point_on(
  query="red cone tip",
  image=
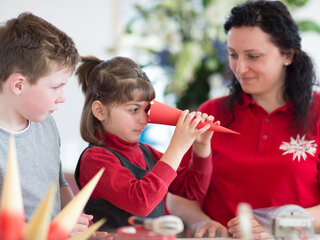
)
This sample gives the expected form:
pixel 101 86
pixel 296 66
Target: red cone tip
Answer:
pixel 161 113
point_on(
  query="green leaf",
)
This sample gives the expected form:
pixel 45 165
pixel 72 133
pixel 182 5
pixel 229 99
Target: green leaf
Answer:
pixel 296 3
pixel 308 25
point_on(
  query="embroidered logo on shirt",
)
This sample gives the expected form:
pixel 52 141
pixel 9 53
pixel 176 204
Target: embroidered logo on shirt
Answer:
pixel 299 147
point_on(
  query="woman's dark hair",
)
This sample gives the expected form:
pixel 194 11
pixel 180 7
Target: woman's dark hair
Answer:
pixel 273 18
pixel 112 82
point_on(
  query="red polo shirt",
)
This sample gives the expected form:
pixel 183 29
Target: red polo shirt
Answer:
pixel 268 164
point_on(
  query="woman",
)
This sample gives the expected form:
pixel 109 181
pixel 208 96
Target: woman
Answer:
pixel 275 160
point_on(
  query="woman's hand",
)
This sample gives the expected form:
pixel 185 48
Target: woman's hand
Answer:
pixel 257 230
pixel 208 228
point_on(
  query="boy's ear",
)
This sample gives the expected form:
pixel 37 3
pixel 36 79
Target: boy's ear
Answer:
pixel 98 110
pixel 16 83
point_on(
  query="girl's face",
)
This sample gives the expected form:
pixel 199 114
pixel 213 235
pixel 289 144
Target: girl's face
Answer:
pixel 256 62
pixel 127 121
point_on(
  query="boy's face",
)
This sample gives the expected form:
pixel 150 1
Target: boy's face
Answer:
pixel 42 98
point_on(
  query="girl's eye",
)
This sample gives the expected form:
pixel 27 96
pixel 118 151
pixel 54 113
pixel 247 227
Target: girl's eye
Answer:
pixel 133 109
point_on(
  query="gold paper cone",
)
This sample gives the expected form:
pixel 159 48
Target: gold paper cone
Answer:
pixel 64 222
pixel 11 198
pixel 38 226
pixel 12 212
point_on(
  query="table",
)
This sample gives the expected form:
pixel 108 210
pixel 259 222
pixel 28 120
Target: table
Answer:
pixel 316 237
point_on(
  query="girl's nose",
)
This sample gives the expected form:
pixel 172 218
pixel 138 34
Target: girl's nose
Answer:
pixel 144 118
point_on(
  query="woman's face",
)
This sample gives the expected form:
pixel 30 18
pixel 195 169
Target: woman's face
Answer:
pixel 256 62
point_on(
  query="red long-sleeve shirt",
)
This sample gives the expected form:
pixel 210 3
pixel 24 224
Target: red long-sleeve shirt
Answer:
pixel 268 164
pixel 139 197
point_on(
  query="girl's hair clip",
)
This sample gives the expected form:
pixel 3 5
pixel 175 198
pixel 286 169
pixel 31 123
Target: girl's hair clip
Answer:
pixel 141 74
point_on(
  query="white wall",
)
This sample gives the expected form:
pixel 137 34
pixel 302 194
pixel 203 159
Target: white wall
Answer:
pixel 92 25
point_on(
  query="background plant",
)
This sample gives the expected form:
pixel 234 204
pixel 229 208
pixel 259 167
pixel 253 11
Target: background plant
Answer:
pixel 186 39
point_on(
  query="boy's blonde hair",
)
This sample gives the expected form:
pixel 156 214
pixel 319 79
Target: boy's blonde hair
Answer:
pixel 113 82
pixel 30 45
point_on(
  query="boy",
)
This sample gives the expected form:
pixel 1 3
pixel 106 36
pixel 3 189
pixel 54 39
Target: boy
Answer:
pixel 36 61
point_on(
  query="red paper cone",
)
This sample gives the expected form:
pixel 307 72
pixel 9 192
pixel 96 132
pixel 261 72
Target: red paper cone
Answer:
pixel 63 223
pixel 11 225
pixel 12 221
pixel 161 113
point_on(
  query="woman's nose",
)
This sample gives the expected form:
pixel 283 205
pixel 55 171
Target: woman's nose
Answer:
pixel 241 67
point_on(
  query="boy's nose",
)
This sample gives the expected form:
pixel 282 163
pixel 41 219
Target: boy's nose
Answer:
pixel 61 98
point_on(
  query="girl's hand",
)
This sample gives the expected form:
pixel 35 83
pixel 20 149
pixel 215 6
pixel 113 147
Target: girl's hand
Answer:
pixel 186 131
pixel 205 138
pixel 202 144
pixel 183 137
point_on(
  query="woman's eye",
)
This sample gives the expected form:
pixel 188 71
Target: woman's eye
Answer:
pixel 232 55
pixel 254 56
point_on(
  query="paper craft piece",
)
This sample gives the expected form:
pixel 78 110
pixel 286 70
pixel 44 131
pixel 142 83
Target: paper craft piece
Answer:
pixel 244 213
pixel 161 113
pixel 38 226
pixel 63 223
pixel 12 220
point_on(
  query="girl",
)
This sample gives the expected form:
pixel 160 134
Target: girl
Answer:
pixel 137 177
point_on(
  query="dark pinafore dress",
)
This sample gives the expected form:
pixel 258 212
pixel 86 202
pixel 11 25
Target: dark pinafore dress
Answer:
pixel 101 208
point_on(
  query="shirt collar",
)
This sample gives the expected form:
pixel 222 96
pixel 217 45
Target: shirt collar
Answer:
pixel 247 101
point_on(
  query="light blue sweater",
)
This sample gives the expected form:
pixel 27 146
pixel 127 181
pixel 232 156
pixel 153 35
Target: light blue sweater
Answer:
pixel 38 153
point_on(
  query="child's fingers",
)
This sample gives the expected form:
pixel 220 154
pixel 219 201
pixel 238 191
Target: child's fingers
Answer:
pixel 195 121
pixel 210 118
pixel 190 118
pixel 198 114
pixel 182 117
pixel 203 129
pixel 217 122
pixel 204 117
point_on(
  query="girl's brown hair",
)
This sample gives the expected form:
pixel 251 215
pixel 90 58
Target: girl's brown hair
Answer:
pixel 113 82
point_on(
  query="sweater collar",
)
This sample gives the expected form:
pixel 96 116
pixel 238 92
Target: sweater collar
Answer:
pixel 115 142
